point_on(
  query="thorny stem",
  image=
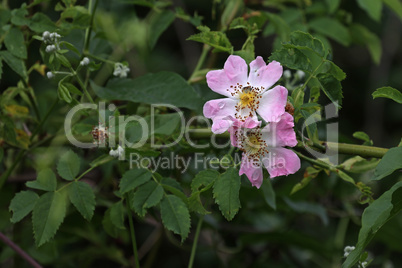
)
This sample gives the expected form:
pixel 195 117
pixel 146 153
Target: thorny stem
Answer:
pixel 132 232
pixel 194 248
pixel 20 252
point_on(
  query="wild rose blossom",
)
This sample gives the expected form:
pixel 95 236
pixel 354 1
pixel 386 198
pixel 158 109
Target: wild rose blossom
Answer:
pixel 265 147
pixel 248 93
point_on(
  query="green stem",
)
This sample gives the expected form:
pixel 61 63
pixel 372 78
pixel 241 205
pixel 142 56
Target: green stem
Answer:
pixel 313 74
pixel 342 148
pixel 38 128
pixel 84 88
pixel 204 53
pixel 89 29
pixel 194 248
pixel 99 58
pixel 132 232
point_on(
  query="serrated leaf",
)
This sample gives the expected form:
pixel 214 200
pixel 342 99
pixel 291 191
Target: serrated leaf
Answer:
pixel 372 7
pixel 268 193
pixel 83 198
pixel 302 40
pixel 226 193
pixel 292 58
pixel 331 87
pixel 68 165
pixel 389 163
pixel 45 181
pixel 15 43
pixel 134 178
pixel 22 204
pixel 374 217
pixel 388 92
pixel 195 204
pixel 48 214
pixel 147 196
pixel 175 216
pixel 117 212
pixel 204 178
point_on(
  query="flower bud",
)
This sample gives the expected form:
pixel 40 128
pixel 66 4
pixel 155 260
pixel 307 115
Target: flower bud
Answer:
pixel 287 74
pixel 50 75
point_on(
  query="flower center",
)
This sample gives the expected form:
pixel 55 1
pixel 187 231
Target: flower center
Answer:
pixel 251 143
pixel 249 100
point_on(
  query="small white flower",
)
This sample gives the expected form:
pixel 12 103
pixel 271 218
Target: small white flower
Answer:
pixel 84 62
pixel 45 35
pixel 120 70
pixel 347 250
pixel 119 152
pixel 287 74
pixel 50 48
pixel 49 75
pixel 363 264
pixel 300 74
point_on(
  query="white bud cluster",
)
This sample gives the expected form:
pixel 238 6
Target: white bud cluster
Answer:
pixel 84 62
pixel 120 70
pixel 51 40
pixel 119 152
pixel 347 250
pixel 300 74
pixel 287 74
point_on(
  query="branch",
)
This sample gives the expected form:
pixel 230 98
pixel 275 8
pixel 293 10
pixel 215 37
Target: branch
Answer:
pixel 20 252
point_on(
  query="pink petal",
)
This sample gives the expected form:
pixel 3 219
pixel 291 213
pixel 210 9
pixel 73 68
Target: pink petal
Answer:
pixel 220 107
pixel 220 125
pixel 235 71
pixel 272 104
pixel 262 75
pixel 281 133
pixel 281 161
pixel 252 169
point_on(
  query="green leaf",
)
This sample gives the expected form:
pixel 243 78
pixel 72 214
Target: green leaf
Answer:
pixel 63 60
pixel 22 204
pixel 345 177
pixel 109 227
pixel 39 23
pixel 48 214
pixel 162 87
pixel 374 217
pixel 117 215
pixel 332 5
pixel 18 15
pixel 45 181
pixel 204 178
pixel 72 89
pixel 148 195
pixel 15 43
pixel 395 5
pixel 268 193
pixel 68 165
pixel 306 207
pixel 64 93
pixel 361 136
pixel 134 178
pixel 282 29
pixel 215 39
pixel 336 71
pixel 309 174
pixel 175 215
pixel 158 24
pixel 226 193
pixel 389 163
pixel 1 67
pixel 332 29
pixel 16 64
pixel 363 36
pixel 292 58
pixel 302 40
pixel 83 198
pixel 372 7
pixel 331 87
pixel 388 92
pixel 195 204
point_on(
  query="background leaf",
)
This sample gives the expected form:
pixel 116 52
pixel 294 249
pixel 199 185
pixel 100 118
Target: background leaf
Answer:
pixel 15 43
pixel 372 7
pixel 388 92
pixel 389 163
pixel 332 28
pixel 158 24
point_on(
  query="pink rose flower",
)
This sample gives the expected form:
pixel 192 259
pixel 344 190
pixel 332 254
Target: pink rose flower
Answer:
pixel 265 147
pixel 247 93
